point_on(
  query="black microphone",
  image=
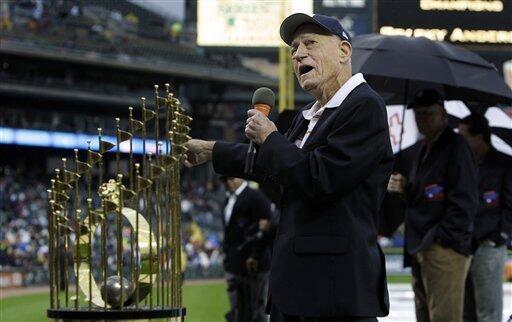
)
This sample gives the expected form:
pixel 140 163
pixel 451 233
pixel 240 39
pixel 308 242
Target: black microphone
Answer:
pixel 263 100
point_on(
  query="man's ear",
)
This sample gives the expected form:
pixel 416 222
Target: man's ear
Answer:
pixel 345 51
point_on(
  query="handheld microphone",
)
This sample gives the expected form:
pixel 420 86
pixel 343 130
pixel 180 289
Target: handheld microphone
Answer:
pixel 263 100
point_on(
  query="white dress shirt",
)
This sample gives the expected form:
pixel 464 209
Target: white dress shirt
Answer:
pixel 231 201
pixel 313 114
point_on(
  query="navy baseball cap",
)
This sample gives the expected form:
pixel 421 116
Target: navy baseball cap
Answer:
pixel 426 97
pixel 329 24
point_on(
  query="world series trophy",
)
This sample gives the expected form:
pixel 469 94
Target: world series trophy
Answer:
pixel 123 238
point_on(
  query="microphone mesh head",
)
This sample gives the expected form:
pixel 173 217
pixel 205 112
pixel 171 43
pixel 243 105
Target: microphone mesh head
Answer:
pixel 264 95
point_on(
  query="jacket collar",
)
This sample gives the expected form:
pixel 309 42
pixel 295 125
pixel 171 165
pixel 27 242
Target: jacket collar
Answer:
pixel 338 97
pixel 238 190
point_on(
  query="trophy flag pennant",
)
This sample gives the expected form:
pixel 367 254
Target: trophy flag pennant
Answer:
pixel 148 114
pixel 136 125
pixel 70 177
pixel 124 136
pixel 62 186
pixel 105 146
pixel 82 167
pixel 93 157
pixel 128 194
pixel 156 170
pixel 143 183
pixel 182 118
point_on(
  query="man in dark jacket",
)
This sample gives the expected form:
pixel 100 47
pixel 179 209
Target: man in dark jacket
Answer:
pixel 484 287
pixel 440 206
pixel 332 168
pixel 247 260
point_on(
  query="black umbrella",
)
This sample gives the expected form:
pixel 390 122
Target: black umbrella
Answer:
pixel 398 66
pixel 461 74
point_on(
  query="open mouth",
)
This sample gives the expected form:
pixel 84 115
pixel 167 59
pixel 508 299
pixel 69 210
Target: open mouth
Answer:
pixel 304 69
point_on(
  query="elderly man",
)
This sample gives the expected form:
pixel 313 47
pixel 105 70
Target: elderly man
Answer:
pixel 332 167
pixel 440 205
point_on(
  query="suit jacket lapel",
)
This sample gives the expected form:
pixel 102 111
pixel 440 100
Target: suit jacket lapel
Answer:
pixel 235 213
pixel 299 125
pixel 321 122
pixel 299 128
pixel 412 181
pixel 421 167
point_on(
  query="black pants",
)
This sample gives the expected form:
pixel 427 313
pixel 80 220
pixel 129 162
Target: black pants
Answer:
pixel 277 316
pixel 247 296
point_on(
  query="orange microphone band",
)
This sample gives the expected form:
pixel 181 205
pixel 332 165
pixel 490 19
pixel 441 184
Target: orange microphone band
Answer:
pixel 263 108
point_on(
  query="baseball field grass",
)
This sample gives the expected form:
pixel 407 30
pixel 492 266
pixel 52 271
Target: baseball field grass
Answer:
pixel 205 302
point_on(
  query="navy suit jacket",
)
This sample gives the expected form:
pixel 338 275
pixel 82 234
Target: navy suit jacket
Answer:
pixel 442 196
pixel 494 216
pixel 326 260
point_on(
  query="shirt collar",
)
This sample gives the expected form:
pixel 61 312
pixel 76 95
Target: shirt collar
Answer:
pixel 337 98
pixel 239 190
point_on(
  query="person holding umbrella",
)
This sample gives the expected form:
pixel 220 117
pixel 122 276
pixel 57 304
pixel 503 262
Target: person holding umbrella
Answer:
pixel 493 223
pixel 440 204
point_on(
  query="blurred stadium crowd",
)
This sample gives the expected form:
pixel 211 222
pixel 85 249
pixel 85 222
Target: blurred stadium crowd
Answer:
pixel 119 30
pixel 24 224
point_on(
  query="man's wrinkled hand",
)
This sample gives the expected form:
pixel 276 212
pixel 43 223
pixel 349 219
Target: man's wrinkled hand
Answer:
pixel 258 127
pixel 396 183
pixel 252 265
pixel 198 152
pixel 264 225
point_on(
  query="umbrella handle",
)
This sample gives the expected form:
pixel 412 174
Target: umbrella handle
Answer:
pixel 406 92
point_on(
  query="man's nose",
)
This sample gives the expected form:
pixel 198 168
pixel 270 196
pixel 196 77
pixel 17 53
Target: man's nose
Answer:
pixel 300 53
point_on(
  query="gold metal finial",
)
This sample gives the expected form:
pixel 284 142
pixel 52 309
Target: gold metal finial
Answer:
pixel 130 111
pixel 156 89
pixel 99 131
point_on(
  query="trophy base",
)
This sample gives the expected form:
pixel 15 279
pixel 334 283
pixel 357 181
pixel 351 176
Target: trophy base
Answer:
pixel 126 314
